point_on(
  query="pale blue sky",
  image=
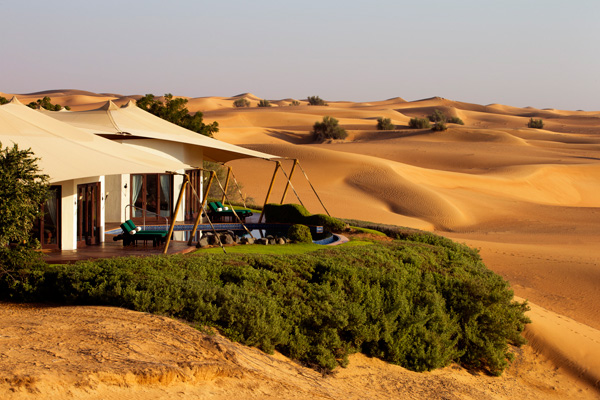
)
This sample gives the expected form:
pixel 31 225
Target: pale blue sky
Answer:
pixel 536 53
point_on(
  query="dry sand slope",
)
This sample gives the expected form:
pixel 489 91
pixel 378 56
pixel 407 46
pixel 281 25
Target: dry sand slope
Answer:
pixel 528 199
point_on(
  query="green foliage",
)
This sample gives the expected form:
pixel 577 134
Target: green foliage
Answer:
pixel 419 123
pixel 385 124
pixel 23 189
pixel 299 233
pixel 295 103
pixel 419 304
pixel 535 123
pixel 296 214
pixel 316 101
pixel 234 189
pixel 175 111
pixel 439 126
pixel 455 120
pixel 264 103
pixel 241 102
pixel 3 100
pixel 46 104
pixel 329 129
pixel 437 116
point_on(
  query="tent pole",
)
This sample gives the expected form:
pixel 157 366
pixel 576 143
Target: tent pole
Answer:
pixel 287 185
pixel 204 200
pixel 186 180
pixel 277 165
pixel 226 182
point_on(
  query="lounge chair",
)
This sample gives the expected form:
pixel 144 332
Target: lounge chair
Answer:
pixel 132 234
pixel 242 212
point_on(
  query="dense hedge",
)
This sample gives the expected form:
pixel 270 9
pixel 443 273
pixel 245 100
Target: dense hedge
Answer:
pixel 296 214
pixel 420 305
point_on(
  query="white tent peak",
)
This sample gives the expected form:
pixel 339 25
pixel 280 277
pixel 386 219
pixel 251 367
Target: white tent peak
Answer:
pixel 109 106
pixel 130 103
pixel 14 100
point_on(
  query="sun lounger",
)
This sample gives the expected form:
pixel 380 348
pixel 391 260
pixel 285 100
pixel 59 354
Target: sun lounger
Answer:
pixel 133 234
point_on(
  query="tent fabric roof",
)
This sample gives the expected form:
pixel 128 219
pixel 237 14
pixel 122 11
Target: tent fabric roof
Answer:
pixel 131 121
pixel 66 152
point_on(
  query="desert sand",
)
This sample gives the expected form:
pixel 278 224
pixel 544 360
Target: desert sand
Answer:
pixel 526 198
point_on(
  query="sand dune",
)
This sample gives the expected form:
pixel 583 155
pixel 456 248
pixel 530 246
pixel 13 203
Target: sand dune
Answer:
pixel 527 198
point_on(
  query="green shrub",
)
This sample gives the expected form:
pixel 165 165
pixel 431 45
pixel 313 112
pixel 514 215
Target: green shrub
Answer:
pixel 264 103
pixel 385 124
pixel 420 304
pixel 455 120
pixel 439 126
pixel 299 233
pixel 295 103
pixel 419 123
pixel 296 214
pixel 3 100
pixel 241 102
pixel 316 101
pixel 46 104
pixel 329 129
pixel 535 123
pixel 437 116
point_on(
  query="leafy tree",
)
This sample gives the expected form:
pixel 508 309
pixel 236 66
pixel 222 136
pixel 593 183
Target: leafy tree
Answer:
pixel 295 103
pixel 329 129
pixel 385 124
pixel 419 123
pixel 3 100
pixel 23 189
pixel 535 123
pixel 264 103
pixel 455 120
pixel 175 111
pixel 316 101
pixel 242 102
pixel 437 116
pixel 46 103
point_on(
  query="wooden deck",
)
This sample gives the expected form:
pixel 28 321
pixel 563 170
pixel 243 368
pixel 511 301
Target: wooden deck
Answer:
pixel 111 249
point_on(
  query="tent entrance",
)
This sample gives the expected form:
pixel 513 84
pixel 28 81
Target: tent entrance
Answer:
pixel 88 214
pixel 47 228
pixel 151 197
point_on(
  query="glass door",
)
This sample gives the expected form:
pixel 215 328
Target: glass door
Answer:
pixel 88 214
pixel 47 228
pixel 151 197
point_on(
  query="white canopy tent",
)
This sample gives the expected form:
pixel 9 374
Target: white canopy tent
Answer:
pixel 68 153
pixel 130 122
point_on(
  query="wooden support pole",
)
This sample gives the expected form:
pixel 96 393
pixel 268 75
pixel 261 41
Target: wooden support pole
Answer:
pixel 204 200
pixel 287 185
pixel 186 180
pixel 262 213
pixel 226 182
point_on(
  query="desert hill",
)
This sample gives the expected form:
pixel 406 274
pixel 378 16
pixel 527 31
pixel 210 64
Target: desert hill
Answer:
pixel 527 198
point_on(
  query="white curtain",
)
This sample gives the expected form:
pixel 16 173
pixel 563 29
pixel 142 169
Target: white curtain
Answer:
pixel 136 188
pixel 165 188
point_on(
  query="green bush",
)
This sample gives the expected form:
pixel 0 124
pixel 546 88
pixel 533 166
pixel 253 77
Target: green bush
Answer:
pixel 295 103
pixel 44 103
pixel 437 116
pixel 535 123
pixel 329 129
pixel 419 123
pixel 241 102
pixel 385 124
pixel 420 304
pixel 316 101
pixel 296 214
pixel 299 233
pixel 439 126
pixel 3 100
pixel 455 120
pixel 264 103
